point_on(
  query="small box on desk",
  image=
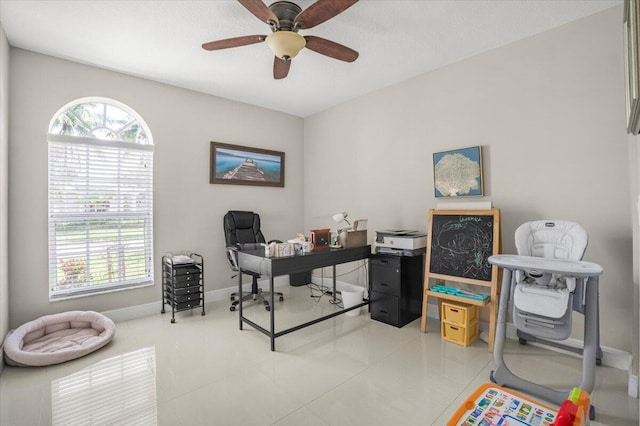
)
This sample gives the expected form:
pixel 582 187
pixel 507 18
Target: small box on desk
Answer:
pixel 352 238
pixel 284 249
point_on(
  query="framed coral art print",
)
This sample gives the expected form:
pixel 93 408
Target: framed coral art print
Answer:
pixel 458 173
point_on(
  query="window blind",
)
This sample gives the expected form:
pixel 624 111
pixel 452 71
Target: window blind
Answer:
pixel 100 215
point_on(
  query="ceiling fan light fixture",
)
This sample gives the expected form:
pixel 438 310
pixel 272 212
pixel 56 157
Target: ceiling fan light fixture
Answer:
pixel 285 44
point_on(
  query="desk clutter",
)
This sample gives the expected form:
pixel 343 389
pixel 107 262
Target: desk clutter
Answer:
pixel 319 240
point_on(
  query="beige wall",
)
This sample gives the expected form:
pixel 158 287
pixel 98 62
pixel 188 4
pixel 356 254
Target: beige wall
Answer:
pixel 188 210
pixel 4 185
pixel 547 110
pixel 549 114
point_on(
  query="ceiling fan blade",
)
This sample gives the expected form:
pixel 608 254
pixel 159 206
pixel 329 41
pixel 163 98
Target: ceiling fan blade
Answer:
pixel 280 68
pixel 233 42
pixel 321 11
pixel 260 10
pixel 331 49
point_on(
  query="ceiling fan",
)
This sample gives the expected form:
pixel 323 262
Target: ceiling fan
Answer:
pixel 285 19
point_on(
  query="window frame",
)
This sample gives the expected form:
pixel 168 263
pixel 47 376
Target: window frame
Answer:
pixel 117 219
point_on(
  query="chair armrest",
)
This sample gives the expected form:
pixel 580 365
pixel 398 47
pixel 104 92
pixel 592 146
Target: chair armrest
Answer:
pixel 274 241
pixel 232 257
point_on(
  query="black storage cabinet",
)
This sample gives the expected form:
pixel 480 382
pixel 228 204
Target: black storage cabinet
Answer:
pixel 396 288
pixel 182 284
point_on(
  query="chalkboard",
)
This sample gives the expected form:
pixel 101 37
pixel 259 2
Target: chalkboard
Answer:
pixel 460 242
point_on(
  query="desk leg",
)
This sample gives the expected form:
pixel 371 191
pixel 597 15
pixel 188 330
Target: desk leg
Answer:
pixel 272 316
pixel 240 295
pixel 334 285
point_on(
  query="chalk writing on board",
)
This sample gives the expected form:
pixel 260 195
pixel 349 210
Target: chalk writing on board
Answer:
pixel 461 245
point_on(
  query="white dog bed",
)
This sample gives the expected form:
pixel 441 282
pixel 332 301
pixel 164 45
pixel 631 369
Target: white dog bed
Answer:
pixel 57 338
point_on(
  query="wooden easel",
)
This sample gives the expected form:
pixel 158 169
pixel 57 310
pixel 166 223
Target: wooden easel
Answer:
pixel 458 246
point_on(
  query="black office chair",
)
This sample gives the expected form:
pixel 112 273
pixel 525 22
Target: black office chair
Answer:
pixel 242 230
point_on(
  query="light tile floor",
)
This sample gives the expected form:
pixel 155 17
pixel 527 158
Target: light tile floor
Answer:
pixel 203 370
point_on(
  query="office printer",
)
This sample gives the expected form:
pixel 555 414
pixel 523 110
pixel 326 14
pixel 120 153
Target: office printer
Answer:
pixel 400 242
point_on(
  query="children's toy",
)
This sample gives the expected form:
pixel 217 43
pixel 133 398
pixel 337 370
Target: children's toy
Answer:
pixel 493 405
pixel 575 410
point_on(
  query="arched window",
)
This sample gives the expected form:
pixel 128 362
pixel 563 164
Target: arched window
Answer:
pixel 100 199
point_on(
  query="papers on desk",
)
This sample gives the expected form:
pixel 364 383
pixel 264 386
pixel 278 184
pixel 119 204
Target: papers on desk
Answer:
pixel 299 239
pixel 181 259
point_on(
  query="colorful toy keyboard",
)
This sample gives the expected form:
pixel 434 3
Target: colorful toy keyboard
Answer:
pixel 493 405
pixel 460 293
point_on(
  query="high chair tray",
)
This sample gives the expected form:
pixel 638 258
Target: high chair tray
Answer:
pixel 574 268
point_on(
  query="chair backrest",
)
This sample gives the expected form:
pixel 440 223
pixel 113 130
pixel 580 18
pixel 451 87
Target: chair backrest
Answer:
pixel 552 239
pixel 242 227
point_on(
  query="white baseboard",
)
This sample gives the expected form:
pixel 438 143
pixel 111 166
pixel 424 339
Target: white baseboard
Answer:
pixel 138 311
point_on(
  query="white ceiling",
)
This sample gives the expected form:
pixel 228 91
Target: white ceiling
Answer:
pixel 161 41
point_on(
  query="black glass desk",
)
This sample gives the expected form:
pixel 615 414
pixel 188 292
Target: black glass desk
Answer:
pixel 255 261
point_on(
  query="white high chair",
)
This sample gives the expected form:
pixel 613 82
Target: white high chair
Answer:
pixel 549 282
pixel 543 304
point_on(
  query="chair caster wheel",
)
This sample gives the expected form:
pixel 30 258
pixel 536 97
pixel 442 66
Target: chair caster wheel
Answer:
pixel 232 308
pixel 162 311
pixel 522 341
pixel 282 298
pixel 202 314
pixel 491 377
pixel 592 413
pixel 267 308
pixel 598 361
pixel 173 320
